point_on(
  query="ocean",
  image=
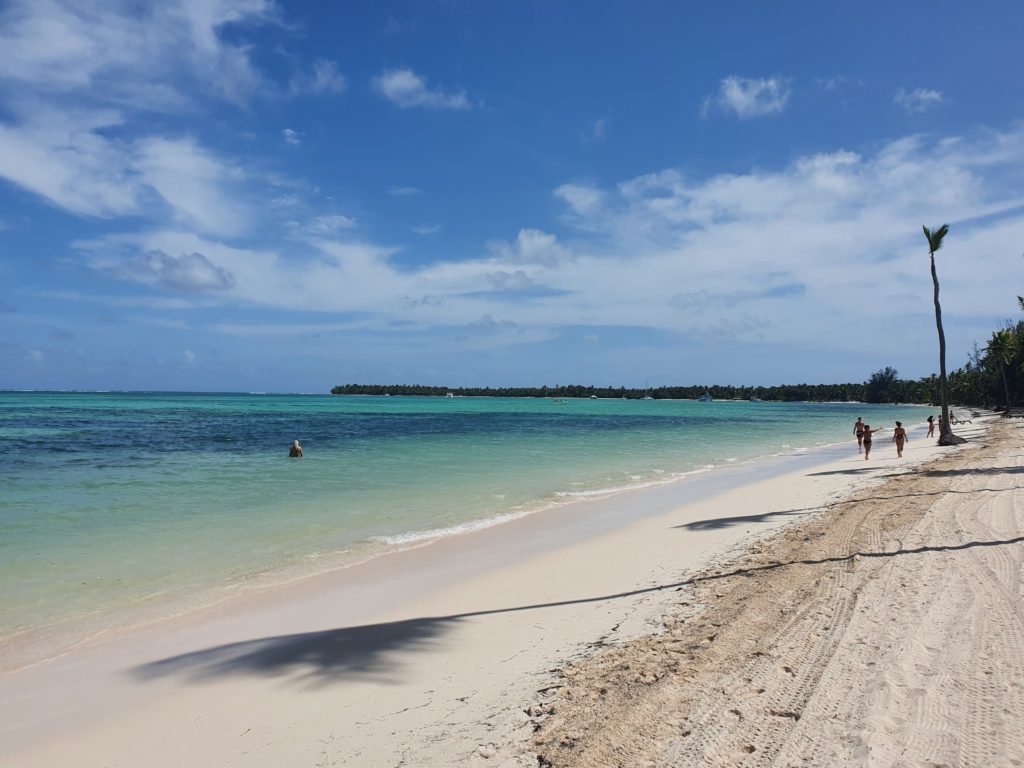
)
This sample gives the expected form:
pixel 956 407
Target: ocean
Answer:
pixel 116 508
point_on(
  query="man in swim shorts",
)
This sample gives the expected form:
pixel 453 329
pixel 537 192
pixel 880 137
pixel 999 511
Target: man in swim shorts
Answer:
pixel 858 430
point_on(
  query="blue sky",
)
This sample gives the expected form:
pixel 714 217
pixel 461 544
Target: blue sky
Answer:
pixel 260 196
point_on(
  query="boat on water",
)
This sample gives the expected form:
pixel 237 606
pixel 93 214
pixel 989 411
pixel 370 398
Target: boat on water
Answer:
pixel 755 399
pixel 705 398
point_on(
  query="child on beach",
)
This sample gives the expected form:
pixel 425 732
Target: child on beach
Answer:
pixel 899 436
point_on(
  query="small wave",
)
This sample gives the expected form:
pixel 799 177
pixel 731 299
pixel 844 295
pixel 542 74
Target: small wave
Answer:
pixel 416 537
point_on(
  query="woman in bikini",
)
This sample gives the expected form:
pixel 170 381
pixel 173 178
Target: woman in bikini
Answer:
pixel 868 432
pixel 931 426
pixel 899 436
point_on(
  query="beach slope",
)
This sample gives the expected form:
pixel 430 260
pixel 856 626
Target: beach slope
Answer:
pixel 888 632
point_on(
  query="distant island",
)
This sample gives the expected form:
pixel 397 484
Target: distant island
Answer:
pixel 883 387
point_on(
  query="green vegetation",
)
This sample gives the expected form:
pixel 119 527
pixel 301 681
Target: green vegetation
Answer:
pixel 993 376
pixel 789 392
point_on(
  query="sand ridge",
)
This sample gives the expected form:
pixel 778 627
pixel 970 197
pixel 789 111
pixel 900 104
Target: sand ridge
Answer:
pixel 888 632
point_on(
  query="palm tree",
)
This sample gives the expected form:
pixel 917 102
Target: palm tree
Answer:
pixel 946 436
pixel 1003 347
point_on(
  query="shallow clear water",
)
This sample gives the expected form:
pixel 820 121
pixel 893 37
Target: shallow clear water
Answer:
pixel 122 501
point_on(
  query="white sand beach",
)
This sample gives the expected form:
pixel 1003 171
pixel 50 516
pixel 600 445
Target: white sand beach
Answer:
pixel 749 616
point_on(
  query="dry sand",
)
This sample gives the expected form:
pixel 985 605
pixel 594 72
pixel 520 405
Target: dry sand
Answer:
pixel 889 632
pixel 654 628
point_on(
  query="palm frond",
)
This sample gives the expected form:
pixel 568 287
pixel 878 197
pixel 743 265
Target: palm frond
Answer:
pixel 935 237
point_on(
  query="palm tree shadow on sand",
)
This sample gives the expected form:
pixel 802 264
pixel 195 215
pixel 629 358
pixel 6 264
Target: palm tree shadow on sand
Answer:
pixel 362 652
pixel 369 652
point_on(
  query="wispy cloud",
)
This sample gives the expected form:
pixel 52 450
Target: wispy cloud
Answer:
pixel 291 136
pixel 918 100
pixel 322 226
pixel 749 97
pixel 403 191
pixel 69 159
pixel 144 56
pixel 406 89
pixel 427 229
pixel 596 132
pixel 324 78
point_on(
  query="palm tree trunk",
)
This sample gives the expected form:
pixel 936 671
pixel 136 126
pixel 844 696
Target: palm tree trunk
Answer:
pixel 1006 387
pixel 946 436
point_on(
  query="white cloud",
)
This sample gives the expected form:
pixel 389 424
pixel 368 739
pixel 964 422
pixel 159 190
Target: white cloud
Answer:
pixel 917 100
pixel 531 246
pixel 187 272
pixel 65 158
pixel 70 159
pixel 291 137
pixel 193 182
pixel 403 191
pixel 582 199
pixel 797 254
pixel 188 357
pixel 128 54
pixel 407 89
pixel 750 97
pixel 427 229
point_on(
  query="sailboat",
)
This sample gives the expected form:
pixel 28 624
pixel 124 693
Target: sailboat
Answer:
pixel 705 398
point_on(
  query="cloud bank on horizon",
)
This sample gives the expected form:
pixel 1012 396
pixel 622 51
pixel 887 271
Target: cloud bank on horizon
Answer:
pixel 249 195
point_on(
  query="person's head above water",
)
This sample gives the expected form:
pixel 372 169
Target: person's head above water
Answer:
pixel 295 443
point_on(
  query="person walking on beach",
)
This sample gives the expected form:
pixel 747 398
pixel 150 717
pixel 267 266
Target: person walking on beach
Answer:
pixel 866 442
pixel 899 436
pixel 295 451
pixel 858 430
pixel 931 426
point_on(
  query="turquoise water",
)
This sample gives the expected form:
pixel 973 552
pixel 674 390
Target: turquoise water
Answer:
pixel 113 503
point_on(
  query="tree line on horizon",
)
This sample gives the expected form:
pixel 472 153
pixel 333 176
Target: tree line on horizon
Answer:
pixel 785 393
pixel 992 377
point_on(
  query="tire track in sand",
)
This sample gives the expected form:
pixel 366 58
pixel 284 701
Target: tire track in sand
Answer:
pixel 913 659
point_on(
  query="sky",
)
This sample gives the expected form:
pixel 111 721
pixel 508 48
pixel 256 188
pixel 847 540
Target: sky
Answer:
pixel 247 195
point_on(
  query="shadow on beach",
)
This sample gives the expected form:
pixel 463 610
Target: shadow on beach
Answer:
pixel 365 652
pixel 715 523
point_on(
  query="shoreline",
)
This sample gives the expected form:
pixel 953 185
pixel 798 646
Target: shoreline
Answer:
pixel 46 642
pixel 534 592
